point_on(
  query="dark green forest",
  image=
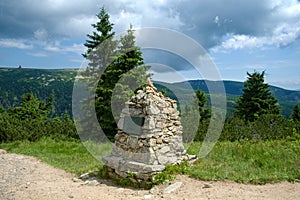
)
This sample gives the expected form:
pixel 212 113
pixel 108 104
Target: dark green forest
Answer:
pixel 59 82
pixel 42 83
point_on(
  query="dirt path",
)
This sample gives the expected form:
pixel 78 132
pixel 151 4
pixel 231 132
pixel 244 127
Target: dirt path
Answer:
pixel 23 177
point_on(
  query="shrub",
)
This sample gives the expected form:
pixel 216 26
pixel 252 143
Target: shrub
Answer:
pixel 14 129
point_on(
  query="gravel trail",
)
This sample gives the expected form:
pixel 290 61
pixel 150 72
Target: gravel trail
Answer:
pixel 24 177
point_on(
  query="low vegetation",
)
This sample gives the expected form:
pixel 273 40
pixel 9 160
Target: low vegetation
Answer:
pixel 255 161
pixel 71 156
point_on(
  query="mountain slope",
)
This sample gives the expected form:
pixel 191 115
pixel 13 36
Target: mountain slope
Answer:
pixel 286 98
pixel 43 82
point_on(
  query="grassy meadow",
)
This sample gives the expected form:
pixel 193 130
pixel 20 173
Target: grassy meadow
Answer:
pixel 256 162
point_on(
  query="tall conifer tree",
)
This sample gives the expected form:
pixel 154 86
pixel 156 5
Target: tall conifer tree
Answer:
pixel 113 59
pixel 257 99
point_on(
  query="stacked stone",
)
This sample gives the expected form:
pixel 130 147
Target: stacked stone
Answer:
pixel 146 148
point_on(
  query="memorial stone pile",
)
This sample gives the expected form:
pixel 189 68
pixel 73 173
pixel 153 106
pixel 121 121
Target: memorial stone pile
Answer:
pixel 149 137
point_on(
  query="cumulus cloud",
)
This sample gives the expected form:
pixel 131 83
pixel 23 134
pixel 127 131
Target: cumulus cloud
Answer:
pixel 38 54
pixel 13 43
pixel 75 48
pixel 27 17
pixel 214 24
pixel 281 36
pixel 280 28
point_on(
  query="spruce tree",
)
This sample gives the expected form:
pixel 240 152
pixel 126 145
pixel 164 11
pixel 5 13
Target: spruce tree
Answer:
pixel 132 72
pixel 129 57
pixel 32 108
pixel 103 32
pixel 101 51
pixel 201 102
pixel 113 59
pixel 296 113
pixel 257 99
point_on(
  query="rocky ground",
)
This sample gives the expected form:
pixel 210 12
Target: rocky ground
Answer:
pixel 23 177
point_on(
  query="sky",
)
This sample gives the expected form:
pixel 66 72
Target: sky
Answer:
pixel 239 36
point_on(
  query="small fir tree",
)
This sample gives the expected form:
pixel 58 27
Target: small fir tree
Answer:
pixel 32 108
pixel 296 113
pixel 201 101
pixel 257 99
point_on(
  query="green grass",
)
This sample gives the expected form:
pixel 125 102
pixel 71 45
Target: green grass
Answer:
pixel 256 162
pixel 71 156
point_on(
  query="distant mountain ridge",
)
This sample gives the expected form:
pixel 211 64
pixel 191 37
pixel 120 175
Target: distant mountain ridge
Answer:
pixel 43 82
pixel 286 98
pixel 236 88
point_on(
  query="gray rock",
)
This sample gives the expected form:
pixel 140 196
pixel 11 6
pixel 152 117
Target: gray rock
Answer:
pixel 159 141
pixel 91 182
pixel 154 190
pixel 131 166
pixel 2 151
pixel 76 180
pixel 207 185
pixel 140 95
pixel 192 157
pixel 112 161
pixel 172 188
pixel 132 141
pixel 121 123
pixel 152 109
pixel 164 150
pixel 153 168
pixel 84 176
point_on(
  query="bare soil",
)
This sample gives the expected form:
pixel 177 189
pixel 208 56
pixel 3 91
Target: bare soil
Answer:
pixel 23 177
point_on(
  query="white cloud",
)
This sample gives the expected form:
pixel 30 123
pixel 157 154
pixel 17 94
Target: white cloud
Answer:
pixel 41 34
pixel 207 21
pixel 76 26
pixel 280 28
pixel 75 48
pixel 285 34
pixel 14 43
pixel 217 20
pixel 38 54
pixel 159 13
pixel 282 35
pixel 239 42
pixel 291 85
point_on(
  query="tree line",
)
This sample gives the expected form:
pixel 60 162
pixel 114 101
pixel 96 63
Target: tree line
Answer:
pixel 32 121
pixel 256 116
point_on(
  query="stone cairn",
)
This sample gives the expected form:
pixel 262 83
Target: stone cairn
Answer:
pixel 149 137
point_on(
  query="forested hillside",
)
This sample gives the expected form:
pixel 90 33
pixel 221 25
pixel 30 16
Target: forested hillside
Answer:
pixel 41 82
pixel 44 82
pixel 286 98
